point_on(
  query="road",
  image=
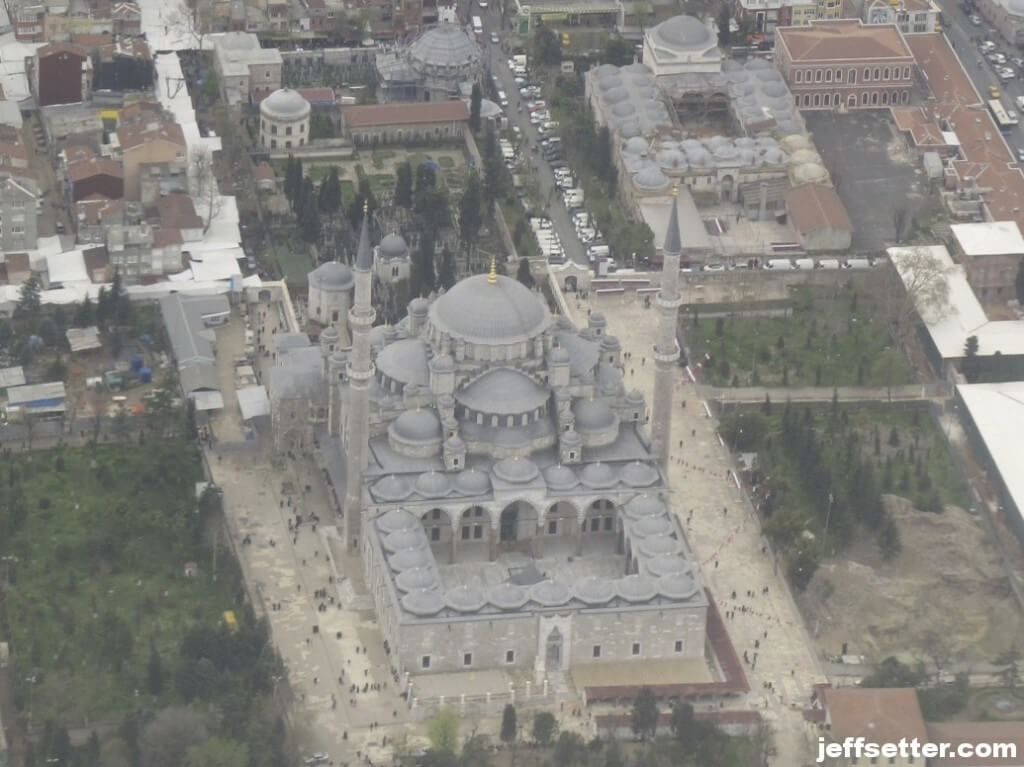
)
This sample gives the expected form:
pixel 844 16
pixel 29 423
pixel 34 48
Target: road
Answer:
pixel 496 60
pixel 964 37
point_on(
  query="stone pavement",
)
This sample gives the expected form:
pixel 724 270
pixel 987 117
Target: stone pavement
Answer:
pixel 725 536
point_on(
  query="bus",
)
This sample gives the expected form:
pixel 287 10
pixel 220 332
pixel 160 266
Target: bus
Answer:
pixel 478 26
pixel 1000 115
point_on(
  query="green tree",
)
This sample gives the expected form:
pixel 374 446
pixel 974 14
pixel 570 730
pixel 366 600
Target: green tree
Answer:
pixel 403 185
pixel 524 275
pixel 154 671
pixel 59 746
pixel 211 86
pixel 544 727
pixel 443 731
pixel 645 713
pixel 446 276
pixel 92 750
pixel 568 748
pixel 508 723
pixel 422 279
pixel 724 33
pixel 547 48
pixel 116 640
pixel 682 723
pixel 309 217
pixel 494 169
pixel 475 98
pixel 85 316
pixel 803 563
pixel 470 218
pixel 603 161
pixel 970 365
pixel 217 752
pixel 426 180
pixel 889 544
pixel 1010 660
pixel 618 52
pixel 892 673
pixel 28 299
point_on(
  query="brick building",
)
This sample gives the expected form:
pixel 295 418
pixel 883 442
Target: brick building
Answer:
pixel 62 74
pixel 420 122
pixel 831 63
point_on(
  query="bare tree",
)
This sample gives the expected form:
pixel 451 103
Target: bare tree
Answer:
pixel 938 648
pixel 192 22
pixel 203 185
pixel 920 288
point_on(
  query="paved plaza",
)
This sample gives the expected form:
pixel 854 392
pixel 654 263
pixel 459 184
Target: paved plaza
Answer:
pixel 725 537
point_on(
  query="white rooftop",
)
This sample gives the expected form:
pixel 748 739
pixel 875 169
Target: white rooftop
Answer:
pixel 965 316
pixel 997 410
pixel 253 402
pixel 991 238
pixel 66 267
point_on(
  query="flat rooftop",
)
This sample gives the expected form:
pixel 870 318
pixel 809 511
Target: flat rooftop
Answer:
pixel 990 238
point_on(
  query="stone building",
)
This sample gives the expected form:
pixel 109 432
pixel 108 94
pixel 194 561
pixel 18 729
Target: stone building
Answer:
pixel 425 122
pixel 845 63
pixel 497 477
pixel 913 17
pixel 330 293
pixel 244 66
pixel 1007 16
pixel 284 120
pixel 682 44
pixel 433 68
pixel 991 253
pixel 392 262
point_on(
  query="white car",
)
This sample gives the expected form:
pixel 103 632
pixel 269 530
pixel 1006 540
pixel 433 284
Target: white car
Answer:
pixel 986 46
pixel 1006 74
pixel 1020 155
pixel 494 37
pixel 714 268
pixel 997 58
pixel 975 19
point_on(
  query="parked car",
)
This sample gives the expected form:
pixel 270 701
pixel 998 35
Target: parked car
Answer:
pixel 713 268
pixel 1006 74
pixel 1020 155
pixel 975 19
pixel 986 46
pixel 494 37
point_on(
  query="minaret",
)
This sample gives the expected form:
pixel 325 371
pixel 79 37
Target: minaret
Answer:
pixel 666 348
pixel 360 371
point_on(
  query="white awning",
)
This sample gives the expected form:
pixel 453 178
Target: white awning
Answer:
pixel 208 400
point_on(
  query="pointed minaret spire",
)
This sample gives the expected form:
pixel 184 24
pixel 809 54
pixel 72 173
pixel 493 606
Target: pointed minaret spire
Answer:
pixel 666 348
pixel 364 255
pixel 492 276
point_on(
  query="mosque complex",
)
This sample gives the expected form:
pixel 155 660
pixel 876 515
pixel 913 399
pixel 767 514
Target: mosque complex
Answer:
pixel 505 492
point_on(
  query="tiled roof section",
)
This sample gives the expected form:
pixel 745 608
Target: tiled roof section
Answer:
pixel 815 206
pixel 166 236
pixel 177 212
pixel 78 152
pixel 96 258
pixel 92 41
pixel 399 114
pixel 94 166
pixel 18 262
pixel 95 210
pixel 923 130
pixel 317 95
pixel 13 150
pixel 846 39
pixel 140 110
pixel 976 733
pixel 264 172
pixel 880 715
pixel 10 134
pixel 132 47
pixel 987 158
pixel 132 136
pixel 52 48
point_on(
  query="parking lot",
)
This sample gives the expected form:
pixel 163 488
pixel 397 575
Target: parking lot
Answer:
pixel 875 178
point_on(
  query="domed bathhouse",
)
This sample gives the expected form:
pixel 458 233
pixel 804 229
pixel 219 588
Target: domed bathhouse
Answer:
pixel 505 490
pixel 434 67
pixel 284 120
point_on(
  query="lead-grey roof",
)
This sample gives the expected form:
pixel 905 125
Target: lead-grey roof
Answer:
pixel 516 470
pixel 560 477
pixel 672 245
pixel 433 484
pixel 667 564
pixel 598 476
pixel 364 255
pixel 396 519
pixel 594 590
pixel 405 361
pixel 683 31
pixel 472 482
pixel 417 578
pixel 332 276
pixel 477 311
pixel 503 391
pixel 636 588
pixel 443 46
pixel 637 474
pixel 392 488
pixel 465 598
pixel 285 103
pixel 393 246
pixel 592 416
pixel 191 339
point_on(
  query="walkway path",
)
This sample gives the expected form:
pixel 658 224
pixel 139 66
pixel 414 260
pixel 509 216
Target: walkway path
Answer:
pixel 905 393
pixel 725 535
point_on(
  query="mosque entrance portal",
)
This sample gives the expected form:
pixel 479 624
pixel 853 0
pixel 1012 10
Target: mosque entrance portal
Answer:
pixel 553 657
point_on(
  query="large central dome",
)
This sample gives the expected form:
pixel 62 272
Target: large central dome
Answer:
pixel 477 311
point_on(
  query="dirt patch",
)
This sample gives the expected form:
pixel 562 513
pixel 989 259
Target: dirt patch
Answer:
pixel 947 582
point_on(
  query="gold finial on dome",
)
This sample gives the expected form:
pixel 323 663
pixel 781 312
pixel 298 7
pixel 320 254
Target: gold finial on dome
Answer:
pixel 492 277
pixel 675 190
pixel 366 206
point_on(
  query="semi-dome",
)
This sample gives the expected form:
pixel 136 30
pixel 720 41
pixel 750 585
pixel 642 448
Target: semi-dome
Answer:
pixel 404 539
pixel 503 391
pixel 560 477
pixel 597 476
pixel 423 602
pixel 638 474
pixel 651 179
pixel 678 586
pixel 592 416
pixel 444 46
pixel 392 488
pixel 516 470
pixel 404 361
pixel 443 363
pixel 472 482
pixel 475 310
pixel 333 276
pixel 658 545
pixel 636 588
pixel 417 578
pixel 396 519
pixel 550 593
pixel 667 564
pixel 650 526
pixel 636 145
pixel 594 590
pixel 508 596
pixel 419 307
pixel 409 559
pixel 615 95
pixel 393 246
pixel 683 32
pixel 285 104
pixel 465 598
pixel 644 506
pixel 433 484
pixel 558 356
pixel 417 426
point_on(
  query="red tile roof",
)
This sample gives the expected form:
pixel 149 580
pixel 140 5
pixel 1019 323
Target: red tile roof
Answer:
pixel 178 212
pixel 880 715
pixel 843 39
pixel 816 206
pixel 94 166
pixel 399 114
pixel 52 48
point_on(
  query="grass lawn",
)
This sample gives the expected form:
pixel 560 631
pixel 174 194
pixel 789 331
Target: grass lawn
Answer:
pixel 446 162
pixel 348 192
pixel 835 336
pixel 295 261
pixel 107 532
pixel 382 182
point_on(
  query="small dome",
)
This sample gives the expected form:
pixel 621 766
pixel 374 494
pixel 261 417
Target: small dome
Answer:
pixel 609 81
pixel 442 363
pixel 593 416
pixel 472 482
pixel 392 488
pixel 651 526
pixel 508 596
pixel 671 159
pixel 396 519
pixel 639 474
pixel 629 129
pixel 423 602
pixel 433 484
pixel 419 307
pixel 683 32
pixel 594 591
pixel 404 360
pixel 667 564
pixel 644 506
pixel 636 588
pixel 285 104
pixel 809 172
pixel 571 437
pixel 404 539
pixel 329 334
pixel 417 426
pixel 635 145
pixel 550 593
pixel 454 444
pixel 393 246
pixel 417 578
pixel 597 476
pixel 558 356
pixel 409 559
pixel 651 179
pixel 615 95
pixel 516 470
pixel 678 586
pixel 634 397
pixel 465 598
pixel 332 276
pixel 560 477
pixel 657 545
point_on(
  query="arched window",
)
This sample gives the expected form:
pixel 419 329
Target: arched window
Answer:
pixel 799 75
pixel 817 99
pixel 826 100
pixel 828 75
pixel 853 77
pixel 839 75
pixel 874 98
pixel 877 73
pixel 885 73
pixel 867 74
pixel 885 98
pixel 817 75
